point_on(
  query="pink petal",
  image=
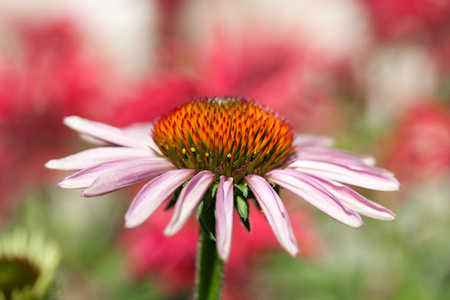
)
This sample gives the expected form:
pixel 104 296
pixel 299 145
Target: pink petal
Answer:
pixel 339 156
pixel 86 177
pixel 128 174
pixel 140 130
pixel 274 211
pixel 224 216
pixel 314 193
pixel 303 140
pixel 94 157
pixel 153 194
pixel 98 142
pixel 143 132
pixel 106 133
pixel 359 175
pixel 355 202
pixel 190 196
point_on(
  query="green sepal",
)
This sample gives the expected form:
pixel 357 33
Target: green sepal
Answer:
pixel 206 215
pixel 199 209
pixel 175 198
pixel 243 187
pixel 214 188
pixel 242 208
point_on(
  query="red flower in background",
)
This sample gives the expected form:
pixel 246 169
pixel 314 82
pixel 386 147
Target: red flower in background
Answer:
pixel 423 21
pixel 46 78
pixel 419 147
pixel 172 260
pixel 152 99
pixel 275 70
pixel 420 18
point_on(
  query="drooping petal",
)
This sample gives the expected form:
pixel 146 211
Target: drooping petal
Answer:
pixel 339 156
pixel 190 196
pixel 153 194
pixel 304 140
pixel 86 177
pixel 94 157
pixel 355 202
pixel 105 132
pixel 359 175
pixel 140 130
pixel 95 141
pixel 128 174
pixel 274 211
pixel 314 193
pixel 143 132
pixel 224 216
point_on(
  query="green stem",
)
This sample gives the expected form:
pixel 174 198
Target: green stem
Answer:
pixel 209 274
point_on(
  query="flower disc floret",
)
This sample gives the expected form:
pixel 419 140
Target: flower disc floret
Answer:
pixel 228 136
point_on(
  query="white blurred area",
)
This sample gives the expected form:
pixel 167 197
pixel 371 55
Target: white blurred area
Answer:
pixel 322 25
pixel 121 31
pixel 398 76
pixel 126 31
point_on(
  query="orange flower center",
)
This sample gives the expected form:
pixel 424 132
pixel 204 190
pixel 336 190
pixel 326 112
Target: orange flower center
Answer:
pixel 228 136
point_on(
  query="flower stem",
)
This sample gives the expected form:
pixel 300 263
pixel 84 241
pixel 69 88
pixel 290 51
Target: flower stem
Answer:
pixel 209 274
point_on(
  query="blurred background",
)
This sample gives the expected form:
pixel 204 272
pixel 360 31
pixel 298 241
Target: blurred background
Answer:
pixel 373 74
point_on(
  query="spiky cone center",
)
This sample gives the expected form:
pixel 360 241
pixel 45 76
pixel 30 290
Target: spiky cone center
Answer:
pixel 228 136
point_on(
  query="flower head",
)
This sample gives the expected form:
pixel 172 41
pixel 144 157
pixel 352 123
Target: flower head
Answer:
pixel 213 154
pixel 232 137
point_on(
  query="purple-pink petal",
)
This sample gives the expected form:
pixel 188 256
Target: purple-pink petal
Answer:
pixel 314 193
pixel 274 211
pixel 140 130
pixel 190 196
pixel 305 140
pixel 224 216
pixel 128 174
pixel 355 202
pixel 359 175
pixel 105 132
pixel 86 177
pixel 153 194
pixel 339 156
pixel 95 141
pixel 96 156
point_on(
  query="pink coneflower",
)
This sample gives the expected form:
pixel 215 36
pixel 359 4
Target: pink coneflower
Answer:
pixel 213 154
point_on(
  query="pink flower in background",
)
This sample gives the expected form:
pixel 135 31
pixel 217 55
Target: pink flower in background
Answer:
pixel 234 144
pixel 152 254
pixel 418 149
pixel 48 77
